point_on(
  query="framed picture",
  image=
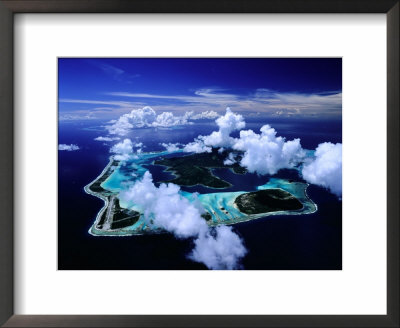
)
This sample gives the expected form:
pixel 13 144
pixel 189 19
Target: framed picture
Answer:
pixel 181 175
pixel 179 164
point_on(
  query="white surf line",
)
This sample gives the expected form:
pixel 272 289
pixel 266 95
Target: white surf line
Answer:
pixel 310 200
pixel 105 199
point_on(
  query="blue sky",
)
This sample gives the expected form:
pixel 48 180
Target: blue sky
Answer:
pixel 106 88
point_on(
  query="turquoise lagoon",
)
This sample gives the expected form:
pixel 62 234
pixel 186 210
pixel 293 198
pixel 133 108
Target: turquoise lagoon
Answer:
pixel 218 203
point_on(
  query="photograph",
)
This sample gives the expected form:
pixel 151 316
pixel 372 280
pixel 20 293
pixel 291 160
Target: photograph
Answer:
pixel 223 163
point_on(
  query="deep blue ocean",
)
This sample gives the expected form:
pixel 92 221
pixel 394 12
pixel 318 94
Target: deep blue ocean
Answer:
pixel 300 242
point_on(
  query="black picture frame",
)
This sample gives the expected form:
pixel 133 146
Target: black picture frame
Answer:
pixel 10 7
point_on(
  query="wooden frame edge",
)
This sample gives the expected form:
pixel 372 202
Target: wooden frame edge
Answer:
pixel 6 165
pixel 393 166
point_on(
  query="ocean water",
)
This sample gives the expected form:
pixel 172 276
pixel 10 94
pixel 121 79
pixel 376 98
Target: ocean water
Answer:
pixel 281 242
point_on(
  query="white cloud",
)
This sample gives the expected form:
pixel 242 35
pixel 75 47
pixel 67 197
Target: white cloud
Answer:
pixel 299 103
pixel 123 147
pixel 230 160
pixel 197 146
pixel 266 101
pixel 201 96
pixel 167 119
pixel 123 150
pixel 171 147
pixel 147 117
pixel 106 138
pixel 95 102
pixel 209 115
pixel 120 126
pixel 217 248
pixel 77 116
pixel 143 117
pixel 265 153
pixel 166 207
pixel 136 118
pixel 221 138
pixel 326 168
pixel 227 124
pixel 70 147
pixel 285 112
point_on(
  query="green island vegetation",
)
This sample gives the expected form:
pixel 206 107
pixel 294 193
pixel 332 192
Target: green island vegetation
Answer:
pixel 268 200
pixel 116 216
pixel 113 216
pixel 206 216
pixel 196 169
pixel 189 170
pixel 102 219
pixel 123 217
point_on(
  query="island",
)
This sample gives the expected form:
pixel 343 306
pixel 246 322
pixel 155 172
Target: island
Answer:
pixel 117 218
pixel 112 215
pixel 268 200
pixel 196 169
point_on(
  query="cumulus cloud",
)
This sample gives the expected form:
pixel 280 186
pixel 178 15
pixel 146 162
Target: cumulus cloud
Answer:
pixel 136 118
pixel 124 149
pixel 165 207
pixel 265 153
pixel 221 138
pixel 230 160
pixel 207 115
pixel 219 249
pixel 167 119
pixel 226 124
pixel 197 146
pixel 70 147
pixel 171 147
pixel 147 117
pixel 326 168
pixel 144 117
pixel 106 138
